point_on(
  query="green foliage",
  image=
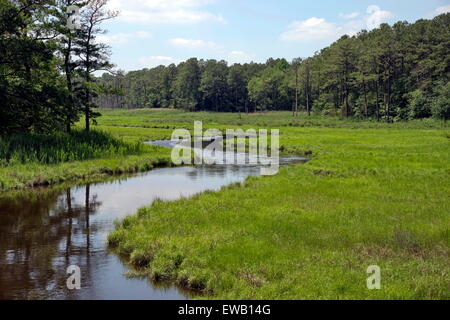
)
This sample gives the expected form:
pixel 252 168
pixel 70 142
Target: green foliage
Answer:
pixel 268 89
pixel 32 95
pixel 441 104
pixel 213 85
pixel 35 46
pixel 187 85
pixel 419 105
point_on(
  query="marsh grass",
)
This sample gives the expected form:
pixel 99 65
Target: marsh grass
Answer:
pixel 169 120
pixel 78 145
pixel 40 160
pixel 369 196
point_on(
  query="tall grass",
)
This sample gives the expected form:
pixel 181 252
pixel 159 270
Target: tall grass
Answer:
pixel 62 147
pixel 174 119
pixel 370 196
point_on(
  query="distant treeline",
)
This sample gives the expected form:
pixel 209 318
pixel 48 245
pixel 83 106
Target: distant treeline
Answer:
pixel 391 73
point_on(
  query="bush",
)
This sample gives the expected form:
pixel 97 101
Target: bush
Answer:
pixel 419 105
pixel 441 104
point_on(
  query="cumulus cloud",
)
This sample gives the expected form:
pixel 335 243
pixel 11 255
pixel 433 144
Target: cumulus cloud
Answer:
pixel 237 56
pixel 154 61
pixel 317 29
pixel 352 15
pixel 194 44
pixel 440 10
pixel 122 38
pixel 310 29
pixel 376 16
pixel 164 11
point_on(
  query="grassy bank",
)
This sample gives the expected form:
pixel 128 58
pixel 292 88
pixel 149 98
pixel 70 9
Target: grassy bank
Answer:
pixel 174 119
pixel 36 160
pixel 373 195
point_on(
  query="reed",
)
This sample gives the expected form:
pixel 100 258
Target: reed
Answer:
pixel 63 147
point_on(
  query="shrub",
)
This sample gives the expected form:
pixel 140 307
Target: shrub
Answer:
pixel 419 105
pixel 441 104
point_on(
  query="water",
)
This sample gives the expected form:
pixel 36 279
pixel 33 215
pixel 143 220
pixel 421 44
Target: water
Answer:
pixel 43 231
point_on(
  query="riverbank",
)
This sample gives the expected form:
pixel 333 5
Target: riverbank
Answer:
pixel 40 160
pixel 374 196
pixel 34 175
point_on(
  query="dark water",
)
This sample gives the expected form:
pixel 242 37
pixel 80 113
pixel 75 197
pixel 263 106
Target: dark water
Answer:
pixel 44 231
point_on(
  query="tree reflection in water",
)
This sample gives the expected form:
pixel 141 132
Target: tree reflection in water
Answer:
pixel 41 233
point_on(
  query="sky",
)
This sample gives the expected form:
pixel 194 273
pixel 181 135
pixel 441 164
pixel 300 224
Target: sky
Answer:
pixel 148 33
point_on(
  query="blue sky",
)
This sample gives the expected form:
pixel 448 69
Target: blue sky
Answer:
pixel 148 33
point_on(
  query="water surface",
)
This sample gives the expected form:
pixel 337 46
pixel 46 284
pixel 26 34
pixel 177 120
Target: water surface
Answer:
pixel 43 231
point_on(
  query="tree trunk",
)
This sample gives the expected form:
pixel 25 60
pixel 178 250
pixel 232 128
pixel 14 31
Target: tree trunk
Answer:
pixel 378 98
pixel 295 111
pixel 307 102
pixel 388 100
pixel 366 106
pixel 87 79
pixel 69 85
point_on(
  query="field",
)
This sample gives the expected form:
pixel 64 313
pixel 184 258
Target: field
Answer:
pixel 372 194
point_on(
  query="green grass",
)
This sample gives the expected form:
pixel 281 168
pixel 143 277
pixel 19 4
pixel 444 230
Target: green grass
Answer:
pixel 373 194
pixel 175 119
pixel 62 147
pixel 35 160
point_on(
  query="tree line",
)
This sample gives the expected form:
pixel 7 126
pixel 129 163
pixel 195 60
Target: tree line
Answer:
pixel 391 73
pixel 48 61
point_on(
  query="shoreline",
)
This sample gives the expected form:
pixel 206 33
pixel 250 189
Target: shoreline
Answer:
pixel 28 176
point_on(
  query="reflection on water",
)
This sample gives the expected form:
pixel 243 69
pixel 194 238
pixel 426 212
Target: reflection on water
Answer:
pixel 42 232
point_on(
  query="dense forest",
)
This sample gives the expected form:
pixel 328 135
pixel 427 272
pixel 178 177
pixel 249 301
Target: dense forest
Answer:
pixel 48 73
pixel 47 63
pixel 392 73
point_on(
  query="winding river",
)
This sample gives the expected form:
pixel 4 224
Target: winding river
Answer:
pixel 43 231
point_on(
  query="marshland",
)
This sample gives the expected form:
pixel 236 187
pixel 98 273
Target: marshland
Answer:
pixel 87 177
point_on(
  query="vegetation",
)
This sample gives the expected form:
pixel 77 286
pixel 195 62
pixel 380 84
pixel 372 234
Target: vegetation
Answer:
pixel 372 194
pixel 46 82
pixel 160 124
pixel 62 147
pixel 34 160
pixel 385 74
pixel 36 44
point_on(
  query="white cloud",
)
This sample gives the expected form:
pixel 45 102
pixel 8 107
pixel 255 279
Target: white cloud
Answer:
pixel 352 15
pixel 164 11
pixel 376 16
pixel 154 61
pixel 440 10
pixel 310 29
pixel 122 38
pixel 194 44
pixel 317 29
pixel 237 56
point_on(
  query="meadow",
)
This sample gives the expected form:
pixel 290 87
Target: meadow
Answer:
pixel 372 194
